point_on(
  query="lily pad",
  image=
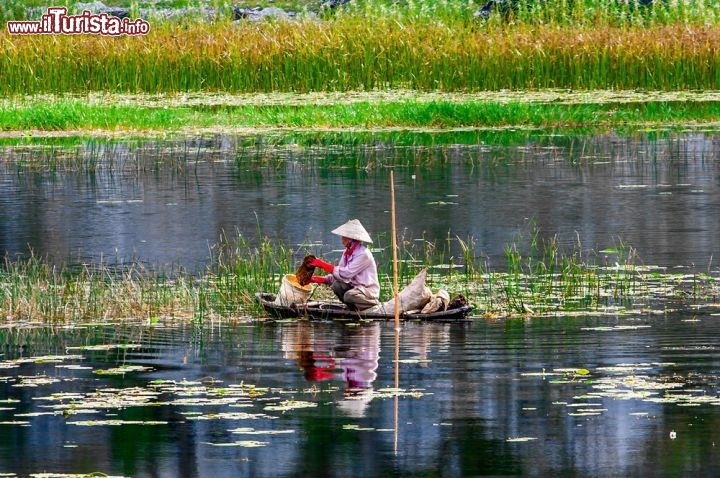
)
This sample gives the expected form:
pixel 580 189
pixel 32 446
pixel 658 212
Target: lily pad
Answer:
pixel 242 443
pixel 231 416
pixel 96 423
pixel 252 431
pixel 290 405
pixel 122 370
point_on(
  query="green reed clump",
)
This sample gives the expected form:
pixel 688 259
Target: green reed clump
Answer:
pixel 241 267
pixel 539 275
pixel 543 276
pixel 33 289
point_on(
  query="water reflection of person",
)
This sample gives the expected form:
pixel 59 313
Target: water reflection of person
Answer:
pixel 350 353
pixel 316 367
pixel 359 365
pixel 299 343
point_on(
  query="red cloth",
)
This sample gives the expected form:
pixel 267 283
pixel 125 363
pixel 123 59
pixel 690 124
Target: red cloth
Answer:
pixel 351 248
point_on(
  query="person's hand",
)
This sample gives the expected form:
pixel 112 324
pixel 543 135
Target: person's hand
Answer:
pixel 322 265
pixel 317 279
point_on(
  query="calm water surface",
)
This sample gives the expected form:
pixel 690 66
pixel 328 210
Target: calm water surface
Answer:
pixel 553 397
pixel 166 203
pixel 581 396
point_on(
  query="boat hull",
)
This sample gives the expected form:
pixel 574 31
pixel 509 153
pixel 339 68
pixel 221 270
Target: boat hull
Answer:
pixel 335 311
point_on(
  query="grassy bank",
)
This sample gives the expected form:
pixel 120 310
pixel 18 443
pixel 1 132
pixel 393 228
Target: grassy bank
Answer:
pixel 101 114
pixel 538 279
pixel 431 46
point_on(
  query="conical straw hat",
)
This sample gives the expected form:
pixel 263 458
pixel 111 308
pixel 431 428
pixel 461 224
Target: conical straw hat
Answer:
pixel 354 230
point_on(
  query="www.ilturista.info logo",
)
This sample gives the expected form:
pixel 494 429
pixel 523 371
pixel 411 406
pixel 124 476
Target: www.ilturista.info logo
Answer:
pixel 57 21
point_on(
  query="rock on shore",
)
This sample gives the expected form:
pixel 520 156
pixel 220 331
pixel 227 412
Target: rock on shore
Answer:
pixel 208 13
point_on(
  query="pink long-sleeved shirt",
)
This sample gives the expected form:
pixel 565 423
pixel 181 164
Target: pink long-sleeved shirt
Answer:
pixel 359 270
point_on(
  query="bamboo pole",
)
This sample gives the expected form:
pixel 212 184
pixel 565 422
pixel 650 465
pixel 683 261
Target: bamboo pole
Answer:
pixel 394 251
pixel 395 278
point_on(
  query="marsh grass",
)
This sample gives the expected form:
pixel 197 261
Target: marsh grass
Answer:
pixel 240 267
pixel 540 278
pixel 33 289
pixel 543 277
pixel 427 46
pixel 78 115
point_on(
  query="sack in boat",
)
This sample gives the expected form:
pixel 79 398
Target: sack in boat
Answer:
pixel 413 297
pixel 305 272
pixel 291 292
pixel 437 302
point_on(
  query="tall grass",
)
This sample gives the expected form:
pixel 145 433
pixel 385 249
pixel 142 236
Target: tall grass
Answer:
pixel 539 278
pixel 425 46
pixel 542 275
pixel 33 289
pixel 241 267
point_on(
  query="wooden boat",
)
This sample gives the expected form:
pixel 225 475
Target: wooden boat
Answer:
pixel 317 310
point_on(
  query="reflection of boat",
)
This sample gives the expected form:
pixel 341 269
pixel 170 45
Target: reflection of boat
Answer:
pixel 335 310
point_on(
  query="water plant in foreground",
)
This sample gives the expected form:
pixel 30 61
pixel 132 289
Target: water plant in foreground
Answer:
pixel 540 278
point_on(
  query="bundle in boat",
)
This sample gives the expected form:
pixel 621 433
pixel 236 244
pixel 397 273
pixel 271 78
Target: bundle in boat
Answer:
pixel 412 298
pixel 305 272
pixel 418 297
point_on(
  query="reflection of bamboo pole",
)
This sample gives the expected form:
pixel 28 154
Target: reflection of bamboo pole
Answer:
pixel 395 443
pixel 394 252
pixel 397 304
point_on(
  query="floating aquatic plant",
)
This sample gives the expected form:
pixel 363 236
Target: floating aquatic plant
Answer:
pixel 114 423
pixel 122 370
pixel 231 416
pixel 628 382
pixel 252 431
pixel 241 443
pixel 520 439
pixel 290 405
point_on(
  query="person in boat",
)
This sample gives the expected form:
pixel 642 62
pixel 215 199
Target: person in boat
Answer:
pixel 354 280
